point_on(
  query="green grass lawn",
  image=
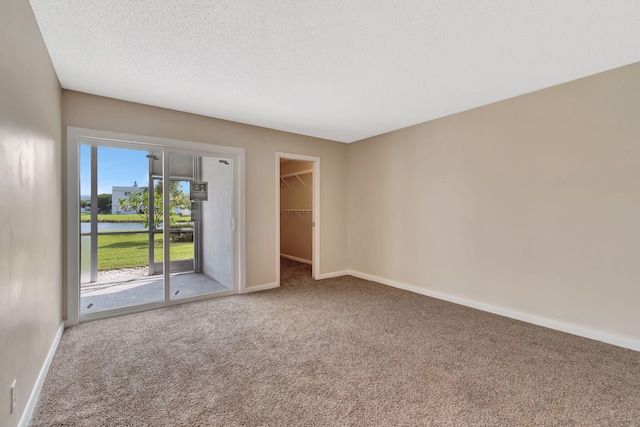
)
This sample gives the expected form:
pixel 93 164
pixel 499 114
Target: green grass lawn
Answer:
pixel 131 250
pixel 85 217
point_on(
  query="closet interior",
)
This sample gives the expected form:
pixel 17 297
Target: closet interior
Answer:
pixel 296 204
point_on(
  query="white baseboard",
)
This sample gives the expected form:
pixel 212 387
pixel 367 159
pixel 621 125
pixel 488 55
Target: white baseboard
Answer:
pixel 35 392
pixel 513 314
pixel 295 258
pixel 257 288
pixel 333 274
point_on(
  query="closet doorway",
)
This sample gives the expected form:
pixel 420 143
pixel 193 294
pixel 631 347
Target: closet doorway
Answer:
pixel 298 216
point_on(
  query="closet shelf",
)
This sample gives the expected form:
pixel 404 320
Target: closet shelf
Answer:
pixel 290 175
pixel 295 174
pixel 298 212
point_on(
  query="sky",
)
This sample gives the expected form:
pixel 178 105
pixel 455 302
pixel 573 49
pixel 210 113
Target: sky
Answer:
pixel 116 167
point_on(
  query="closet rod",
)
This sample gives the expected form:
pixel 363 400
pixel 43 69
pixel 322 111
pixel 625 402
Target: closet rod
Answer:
pixel 289 175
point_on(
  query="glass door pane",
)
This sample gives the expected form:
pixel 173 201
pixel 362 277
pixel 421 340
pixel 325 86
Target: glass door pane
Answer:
pixel 117 223
pixel 86 240
pixel 201 244
pixel 181 253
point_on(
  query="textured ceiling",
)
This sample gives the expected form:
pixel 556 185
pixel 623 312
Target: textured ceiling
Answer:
pixel 336 69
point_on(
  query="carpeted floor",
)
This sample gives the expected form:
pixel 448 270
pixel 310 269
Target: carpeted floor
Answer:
pixel 342 351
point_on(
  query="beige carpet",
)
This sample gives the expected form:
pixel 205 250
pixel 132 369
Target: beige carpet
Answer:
pixel 342 351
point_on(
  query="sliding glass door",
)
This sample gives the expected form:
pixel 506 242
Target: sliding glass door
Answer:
pixel 142 210
pixel 116 230
pixel 201 247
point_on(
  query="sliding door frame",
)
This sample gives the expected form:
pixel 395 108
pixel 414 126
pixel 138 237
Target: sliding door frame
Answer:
pixel 78 136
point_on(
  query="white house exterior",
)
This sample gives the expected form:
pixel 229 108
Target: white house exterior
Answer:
pixel 118 193
pixel 85 198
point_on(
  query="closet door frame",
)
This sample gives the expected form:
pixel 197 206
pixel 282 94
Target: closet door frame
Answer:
pixel 315 214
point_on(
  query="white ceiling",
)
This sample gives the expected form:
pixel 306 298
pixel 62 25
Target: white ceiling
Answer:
pixel 337 69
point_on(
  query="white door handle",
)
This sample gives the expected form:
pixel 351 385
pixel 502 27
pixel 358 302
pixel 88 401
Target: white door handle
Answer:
pixel 233 224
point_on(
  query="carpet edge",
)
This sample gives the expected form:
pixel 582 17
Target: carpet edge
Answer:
pixel 295 258
pixel 333 274
pixel 25 419
pixel 581 331
pixel 257 288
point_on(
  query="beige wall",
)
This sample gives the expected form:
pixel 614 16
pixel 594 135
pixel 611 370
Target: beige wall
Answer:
pixel 93 112
pixel 531 204
pixel 30 218
pixel 295 230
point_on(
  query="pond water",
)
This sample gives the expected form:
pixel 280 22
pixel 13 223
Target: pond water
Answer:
pixel 85 227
